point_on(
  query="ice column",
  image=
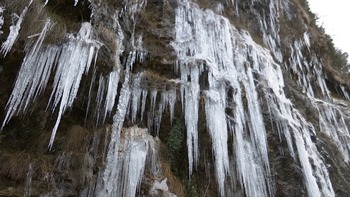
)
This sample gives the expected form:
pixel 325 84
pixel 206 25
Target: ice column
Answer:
pixel 126 157
pixel 106 186
pixel 208 41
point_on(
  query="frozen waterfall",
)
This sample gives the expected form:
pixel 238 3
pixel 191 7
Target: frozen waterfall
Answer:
pixel 221 72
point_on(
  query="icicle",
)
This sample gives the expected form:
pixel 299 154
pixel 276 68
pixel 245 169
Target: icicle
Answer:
pixel 307 39
pixel 1 18
pixel 332 123
pixel 110 174
pixel 216 122
pixel 206 39
pixel 92 82
pixel 14 31
pixel 143 104
pixel 33 75
pixel 151 115
pixel 99 97
pixel 74 60
pixel 161 108
pixel 112 90
pixel 171 102
pixel 136 96
pixel 344 93
pixel 191 117
pixel 310 180
pixel 127 152
pixel 28 186
pixel 132 160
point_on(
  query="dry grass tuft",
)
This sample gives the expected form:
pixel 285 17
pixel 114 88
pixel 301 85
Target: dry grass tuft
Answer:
pixel 15 165
pixel 41 142
pixel 175 185
pixel 152 80
pixel 108 53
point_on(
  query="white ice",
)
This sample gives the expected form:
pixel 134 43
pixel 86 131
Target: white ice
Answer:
pixel 14 32
pixel 74 59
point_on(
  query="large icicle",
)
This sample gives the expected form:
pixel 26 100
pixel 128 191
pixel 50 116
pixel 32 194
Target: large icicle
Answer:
pixel 74 60
pixel 33 75
pixel 133 149
pixel 190 76
pixel 112 90
pixel 232 58
pixel 204 39
pixel 216 122
pixel 126 153
pixel 191 115
pixel 110 174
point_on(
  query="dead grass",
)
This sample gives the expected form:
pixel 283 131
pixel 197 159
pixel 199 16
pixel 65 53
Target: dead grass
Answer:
pixel 304 13
pixel 108 54
pixel 77 139
pixel 175 185
pixel 41 142
pixel 153 80
pixel 15 165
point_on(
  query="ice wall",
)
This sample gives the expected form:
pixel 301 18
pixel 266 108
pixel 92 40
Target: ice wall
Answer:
pixel 208 41
pixel 235 62
pixel 217 63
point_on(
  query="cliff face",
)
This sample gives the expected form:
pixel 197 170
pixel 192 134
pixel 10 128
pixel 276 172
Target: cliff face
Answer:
pixel 170 98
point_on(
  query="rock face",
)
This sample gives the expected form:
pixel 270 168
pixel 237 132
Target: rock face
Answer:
pixel 170 98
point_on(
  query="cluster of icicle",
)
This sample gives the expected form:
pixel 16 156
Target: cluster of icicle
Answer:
pixel 236 68
pixel 130 151
pixel 332 112
pixel 72 60
pixel 206 41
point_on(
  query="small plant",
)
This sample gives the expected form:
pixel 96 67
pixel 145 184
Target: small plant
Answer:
pixel 175 137
pixel 193 190
pixel 174 148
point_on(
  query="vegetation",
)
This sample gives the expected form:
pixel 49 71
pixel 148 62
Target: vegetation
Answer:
pixel 339 59
pixel 174 147
pixel 193 190
pixel 175 137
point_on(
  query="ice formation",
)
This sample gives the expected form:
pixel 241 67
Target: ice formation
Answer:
pixel 33 75
pixel 232 58
pixel 14 31
pixel 218 64
pixel 1 18
pixel 214 43
pixel 74 59
pixel 126 157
